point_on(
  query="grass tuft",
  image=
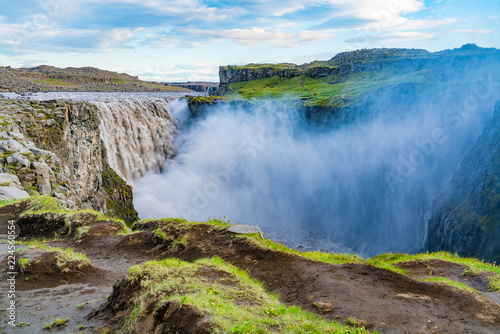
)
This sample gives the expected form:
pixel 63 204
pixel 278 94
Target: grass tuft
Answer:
pixel 449 282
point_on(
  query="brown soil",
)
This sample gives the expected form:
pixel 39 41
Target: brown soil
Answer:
pixel 171 317
pixel 383 300
pixel 440 268
pixel 7 213
pixel 43 270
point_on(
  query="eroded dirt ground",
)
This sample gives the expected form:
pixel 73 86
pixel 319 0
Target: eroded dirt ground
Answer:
pixel 383 300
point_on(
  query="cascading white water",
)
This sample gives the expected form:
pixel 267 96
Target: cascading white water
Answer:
pixel 366 185
pixel 138 135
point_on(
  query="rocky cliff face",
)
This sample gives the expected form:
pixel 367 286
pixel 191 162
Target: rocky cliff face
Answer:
pixel 233 74
pixel 466 219
pixel 72 165
pixel 348 63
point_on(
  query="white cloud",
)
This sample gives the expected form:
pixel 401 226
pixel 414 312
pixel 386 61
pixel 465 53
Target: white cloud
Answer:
pixel 393 37
pixel 254 36
pixel 380 9
pixel 359 8
pixel 402 24
pixel 118 37
pixel 189 10
pixel 36 36
pixel 472 31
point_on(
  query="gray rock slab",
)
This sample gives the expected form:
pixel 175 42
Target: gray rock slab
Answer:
pixel 16 135
pixel 11 179
pixel 10 192
pixel 18 158
pixel 244 229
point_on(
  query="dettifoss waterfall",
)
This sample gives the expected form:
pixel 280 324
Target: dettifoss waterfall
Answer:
pixel 138 135
pixel 365 187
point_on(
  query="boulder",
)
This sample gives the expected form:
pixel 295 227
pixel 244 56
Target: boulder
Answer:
pixel 18 158
pixel 11 145
pixel 12 193
pixel 244 229
pixel 41 169
pixel 16 135
pixel 10 180
pixel 40 152
pixel 43 185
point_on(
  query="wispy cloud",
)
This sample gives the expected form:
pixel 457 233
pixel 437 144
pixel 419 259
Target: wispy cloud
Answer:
pixel 108 24
pixel 34 38
pixel 254 36
pixel 395 37
pixel 471 31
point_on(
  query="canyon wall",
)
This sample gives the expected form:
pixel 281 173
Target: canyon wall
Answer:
pixel 466 218
pixel 54 148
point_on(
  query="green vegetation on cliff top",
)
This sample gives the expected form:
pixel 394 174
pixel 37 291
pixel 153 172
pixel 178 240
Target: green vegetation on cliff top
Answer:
pixel 323 92
pixel 352 74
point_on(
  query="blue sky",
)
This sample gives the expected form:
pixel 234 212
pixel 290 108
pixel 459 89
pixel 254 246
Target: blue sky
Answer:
pixel 166 40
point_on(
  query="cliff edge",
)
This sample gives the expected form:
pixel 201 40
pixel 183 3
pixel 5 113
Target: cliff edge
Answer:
pixel 54 148
pixel 466 219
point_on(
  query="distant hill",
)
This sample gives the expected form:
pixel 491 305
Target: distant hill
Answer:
pixel 71 79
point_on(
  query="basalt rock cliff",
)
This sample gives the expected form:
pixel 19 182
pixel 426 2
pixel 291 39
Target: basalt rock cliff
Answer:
pixel 466 219
pixel 55 148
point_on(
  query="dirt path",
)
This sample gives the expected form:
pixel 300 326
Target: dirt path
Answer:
pixel 383 300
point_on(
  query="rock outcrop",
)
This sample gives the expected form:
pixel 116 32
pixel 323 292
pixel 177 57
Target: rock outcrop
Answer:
pixel 466 219
pixel 233 74
pixel 55 148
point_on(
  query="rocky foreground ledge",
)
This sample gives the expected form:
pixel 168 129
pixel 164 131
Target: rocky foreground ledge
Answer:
pixel 79 271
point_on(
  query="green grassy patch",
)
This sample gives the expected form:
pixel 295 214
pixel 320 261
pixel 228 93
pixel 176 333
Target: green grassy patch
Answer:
pixel 160 234
pixel 61 323
pixel 24 263
pixel 449 282
pixel 81 231
pixel 184 224
pixel 206 99
pixel 323 92
pixel 67 257
pixel 472 266
pixel 53 82
pixel 236 302
pixel 258 67
pixel 36 205
pixel 40 204
pixel 332 258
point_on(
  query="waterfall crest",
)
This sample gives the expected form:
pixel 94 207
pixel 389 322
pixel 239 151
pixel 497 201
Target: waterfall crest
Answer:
pixel 138 135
